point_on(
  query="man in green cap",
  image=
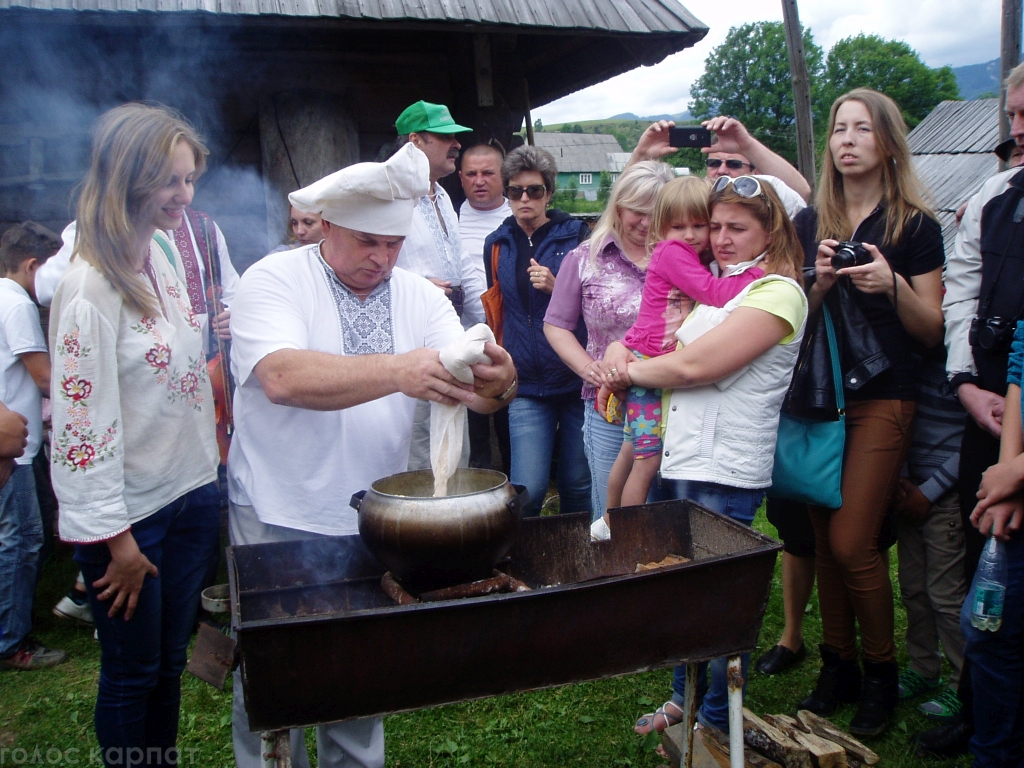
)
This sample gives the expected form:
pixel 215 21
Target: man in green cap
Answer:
pixel 433 248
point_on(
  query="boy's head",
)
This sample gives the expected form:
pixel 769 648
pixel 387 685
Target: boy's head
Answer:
pixel 24 248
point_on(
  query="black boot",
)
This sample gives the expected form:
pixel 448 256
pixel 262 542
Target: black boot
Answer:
pixel 877 699
pixel 838 683
pixel 947 740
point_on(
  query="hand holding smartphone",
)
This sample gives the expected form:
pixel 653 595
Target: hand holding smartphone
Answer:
pixel 689 136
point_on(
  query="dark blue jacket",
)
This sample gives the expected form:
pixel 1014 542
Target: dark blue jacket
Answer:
pixel 541 371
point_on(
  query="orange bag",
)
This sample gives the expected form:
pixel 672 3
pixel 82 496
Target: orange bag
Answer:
pixel 494 308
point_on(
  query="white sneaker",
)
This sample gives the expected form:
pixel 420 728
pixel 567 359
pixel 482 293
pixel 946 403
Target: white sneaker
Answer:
pixel 69 609
pixel 599 530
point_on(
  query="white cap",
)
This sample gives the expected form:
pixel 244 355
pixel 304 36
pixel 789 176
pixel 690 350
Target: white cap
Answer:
pixel 376 198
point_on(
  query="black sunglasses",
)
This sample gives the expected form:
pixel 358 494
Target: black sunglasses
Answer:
pixel 535 191
pixel 714 162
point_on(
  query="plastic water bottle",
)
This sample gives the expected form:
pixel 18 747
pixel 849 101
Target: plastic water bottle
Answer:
pixel 987 611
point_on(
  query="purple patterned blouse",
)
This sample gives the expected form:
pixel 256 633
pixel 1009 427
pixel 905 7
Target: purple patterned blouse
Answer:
pixel 606 290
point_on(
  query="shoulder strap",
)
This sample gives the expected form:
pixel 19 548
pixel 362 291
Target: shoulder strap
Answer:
pixel 837 374
pixel 495 253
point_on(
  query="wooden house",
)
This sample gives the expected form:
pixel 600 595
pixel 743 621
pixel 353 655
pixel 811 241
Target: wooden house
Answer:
pixel 286 91
pixel 581 157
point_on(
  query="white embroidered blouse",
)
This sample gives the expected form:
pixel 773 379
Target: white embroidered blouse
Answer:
pixel 133 423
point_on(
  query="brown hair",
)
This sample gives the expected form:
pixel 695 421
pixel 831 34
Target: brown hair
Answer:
pixel 27 240
pixel 901 193
pixel 685 198
pixel 132 156
pixel 784 254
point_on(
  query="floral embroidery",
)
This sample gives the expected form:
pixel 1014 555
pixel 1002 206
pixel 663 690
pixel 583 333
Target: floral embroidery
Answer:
pixel 180 385
pixel 78 447
pixel 159 356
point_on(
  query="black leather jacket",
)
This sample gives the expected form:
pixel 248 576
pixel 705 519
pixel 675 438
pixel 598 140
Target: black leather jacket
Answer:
pixel 812 392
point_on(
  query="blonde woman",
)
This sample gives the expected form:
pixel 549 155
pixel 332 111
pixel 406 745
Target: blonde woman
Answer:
pixel 883 306
pixel 134 451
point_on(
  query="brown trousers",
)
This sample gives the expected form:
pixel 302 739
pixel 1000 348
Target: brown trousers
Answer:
pixel 853 576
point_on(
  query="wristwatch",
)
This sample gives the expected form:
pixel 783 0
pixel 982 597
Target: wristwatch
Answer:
pixel 508 392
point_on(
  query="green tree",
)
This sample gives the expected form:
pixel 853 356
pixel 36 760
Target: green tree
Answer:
pixel 604 187
pixel 889 66
pixel 538 126
pixel 748 77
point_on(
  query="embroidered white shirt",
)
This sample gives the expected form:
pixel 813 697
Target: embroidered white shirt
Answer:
pixel 133 424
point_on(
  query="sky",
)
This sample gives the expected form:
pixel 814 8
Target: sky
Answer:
pixel 953 32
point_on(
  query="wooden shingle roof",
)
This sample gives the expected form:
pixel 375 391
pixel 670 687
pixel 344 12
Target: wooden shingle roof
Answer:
pixel 953 154
pixel 619 16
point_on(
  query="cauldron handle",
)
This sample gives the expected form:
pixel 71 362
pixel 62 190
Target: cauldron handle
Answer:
pixel 520 500
pixel 356 500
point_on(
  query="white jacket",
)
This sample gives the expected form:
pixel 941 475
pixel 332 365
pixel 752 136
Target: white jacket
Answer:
pixel 725 432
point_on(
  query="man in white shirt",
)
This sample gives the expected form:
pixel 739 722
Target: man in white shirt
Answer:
pixel 333 346
pixel 482 212
pixel 433 248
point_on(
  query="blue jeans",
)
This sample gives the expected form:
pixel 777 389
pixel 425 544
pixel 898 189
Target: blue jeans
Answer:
pixel 21 539
pixel 601 442
pixel 141 660
pixel 532 423
pixel 997 671
pixel 741 505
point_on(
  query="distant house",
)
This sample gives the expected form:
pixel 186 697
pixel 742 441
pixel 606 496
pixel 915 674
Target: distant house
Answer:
pixel 581 157
pixel 953 153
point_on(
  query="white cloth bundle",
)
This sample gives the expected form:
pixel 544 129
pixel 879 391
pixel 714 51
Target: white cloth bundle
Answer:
pixel 448 422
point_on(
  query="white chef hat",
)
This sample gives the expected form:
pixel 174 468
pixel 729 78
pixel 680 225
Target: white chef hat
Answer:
pixel 376 198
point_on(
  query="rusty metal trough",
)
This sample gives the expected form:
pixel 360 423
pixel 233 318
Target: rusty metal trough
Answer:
pixel 320 641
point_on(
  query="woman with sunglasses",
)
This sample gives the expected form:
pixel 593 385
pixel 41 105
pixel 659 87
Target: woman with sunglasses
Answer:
pixel 883 307
pixel 531 244
pixel 602 281
pixel 729 379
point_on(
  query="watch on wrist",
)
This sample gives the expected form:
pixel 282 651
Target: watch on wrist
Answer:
pixel 508 392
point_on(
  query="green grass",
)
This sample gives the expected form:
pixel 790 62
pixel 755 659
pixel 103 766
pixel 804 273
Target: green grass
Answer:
pixel 588 724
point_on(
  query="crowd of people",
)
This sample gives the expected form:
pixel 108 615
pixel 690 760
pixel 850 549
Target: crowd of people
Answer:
pixel 648 358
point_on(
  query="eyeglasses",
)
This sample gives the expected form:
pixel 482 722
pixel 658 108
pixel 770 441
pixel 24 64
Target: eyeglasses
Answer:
pixel 535 191
pixel 714 162
pixel 744 186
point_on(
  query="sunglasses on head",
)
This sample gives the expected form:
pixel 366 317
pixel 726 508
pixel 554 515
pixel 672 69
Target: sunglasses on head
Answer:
pixel 714 162
pixel 535 191
pixel 744 186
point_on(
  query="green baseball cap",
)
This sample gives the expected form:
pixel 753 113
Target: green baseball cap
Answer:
pixel 424 116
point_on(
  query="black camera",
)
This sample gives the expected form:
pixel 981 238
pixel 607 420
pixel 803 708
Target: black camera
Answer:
pixel 850 255
pixel 458 299
pixel 993 334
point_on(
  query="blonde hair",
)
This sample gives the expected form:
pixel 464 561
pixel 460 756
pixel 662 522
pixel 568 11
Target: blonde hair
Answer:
pixel 132 158
pixel 1015 79
pixel 637 189
pixel 685 198
pixel 901 189
pixel 784 254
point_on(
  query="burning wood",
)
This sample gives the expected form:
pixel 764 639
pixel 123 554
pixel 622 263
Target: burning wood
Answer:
pixel 670 560
pixel 499 583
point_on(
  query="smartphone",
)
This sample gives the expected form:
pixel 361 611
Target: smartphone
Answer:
pixel 689 136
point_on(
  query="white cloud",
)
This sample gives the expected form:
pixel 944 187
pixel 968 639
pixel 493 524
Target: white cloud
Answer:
pixel 943 32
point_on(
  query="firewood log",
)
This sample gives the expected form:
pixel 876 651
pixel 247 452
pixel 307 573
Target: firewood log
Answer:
pixel 822 727
pixel 770 741
pixel 824 753
pixel 717 743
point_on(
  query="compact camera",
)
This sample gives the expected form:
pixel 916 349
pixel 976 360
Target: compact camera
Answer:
pixel 850 255
pixel 993 334
pixel 458 299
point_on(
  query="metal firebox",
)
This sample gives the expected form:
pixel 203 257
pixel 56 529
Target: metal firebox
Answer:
pixel 320 640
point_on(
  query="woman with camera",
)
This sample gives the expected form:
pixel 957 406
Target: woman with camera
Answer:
pixel 877 256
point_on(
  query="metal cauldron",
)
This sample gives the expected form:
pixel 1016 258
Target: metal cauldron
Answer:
pixel 429 542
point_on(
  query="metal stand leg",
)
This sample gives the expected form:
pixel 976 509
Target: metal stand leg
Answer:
pixel 689 716
pixel 735 678
pixel 277 749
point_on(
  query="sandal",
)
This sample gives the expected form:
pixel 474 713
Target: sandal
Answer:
pixel 649 722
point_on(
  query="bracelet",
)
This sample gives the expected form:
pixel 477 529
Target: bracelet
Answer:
pixel 508 392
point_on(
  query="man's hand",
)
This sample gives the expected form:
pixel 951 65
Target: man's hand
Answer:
pixel 986 408
pixel 13 433
pixel 222 325
pixel 733 137
pixel 6 470
pixel 910 502
pixel 422 376
pixel 444 285
pixel 1000 520
pixel 491 381
pixel 125 575
pixel 653 143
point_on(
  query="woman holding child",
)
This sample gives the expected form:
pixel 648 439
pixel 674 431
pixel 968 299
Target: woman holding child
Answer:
pixel 882 308
pixel 729 379
pixel 134 460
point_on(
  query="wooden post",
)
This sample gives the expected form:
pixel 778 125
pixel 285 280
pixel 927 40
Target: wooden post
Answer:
pixel 529 117
pixel 1009 57
pixel 802 90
